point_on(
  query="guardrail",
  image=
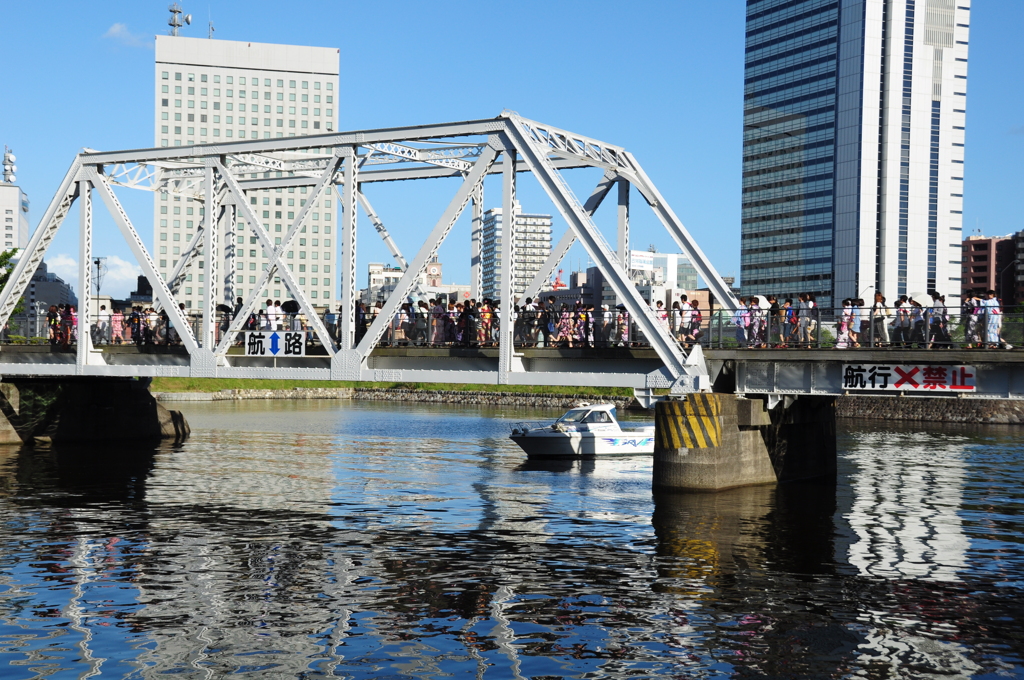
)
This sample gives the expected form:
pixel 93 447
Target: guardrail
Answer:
pixel 712 329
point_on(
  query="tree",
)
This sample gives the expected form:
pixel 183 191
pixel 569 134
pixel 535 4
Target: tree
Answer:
pixel 6 268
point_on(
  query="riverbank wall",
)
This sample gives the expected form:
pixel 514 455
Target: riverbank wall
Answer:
pixel 936 410
pixel 921 409
pixel 520 399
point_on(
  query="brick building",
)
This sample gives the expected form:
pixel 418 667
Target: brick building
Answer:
pixel 987 265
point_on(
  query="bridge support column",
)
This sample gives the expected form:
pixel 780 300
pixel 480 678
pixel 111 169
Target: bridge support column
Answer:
pixel 84 410
pixel 710 442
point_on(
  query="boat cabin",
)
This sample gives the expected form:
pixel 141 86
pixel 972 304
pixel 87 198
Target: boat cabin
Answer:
pixel 596 417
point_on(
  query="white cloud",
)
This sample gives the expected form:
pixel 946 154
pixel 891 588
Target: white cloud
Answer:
pixel 119 276
pixel 118 272
pixel 64 266
pixel 121 34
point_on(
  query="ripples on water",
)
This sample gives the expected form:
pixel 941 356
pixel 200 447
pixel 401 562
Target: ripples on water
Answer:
pixel 375 540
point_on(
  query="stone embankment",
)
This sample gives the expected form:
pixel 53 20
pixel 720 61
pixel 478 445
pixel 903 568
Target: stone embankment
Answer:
pixel 875 408
pixel 521 399
pixel 233 395
pixel 938 410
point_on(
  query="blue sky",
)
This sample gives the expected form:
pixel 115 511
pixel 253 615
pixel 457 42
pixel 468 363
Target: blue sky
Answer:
pixel 663 79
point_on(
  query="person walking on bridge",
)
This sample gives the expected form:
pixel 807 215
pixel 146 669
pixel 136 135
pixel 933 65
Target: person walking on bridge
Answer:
pixel 808 319
pixel 741 320
pixel 993 320
pixel 901 322
pixel 937 317
pixel 880 321
pixel 117 327
pixel 53 324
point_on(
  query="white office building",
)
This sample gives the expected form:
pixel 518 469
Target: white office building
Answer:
pixel 14 209
pixel 532 248
pixel 219 91
pixel 853 147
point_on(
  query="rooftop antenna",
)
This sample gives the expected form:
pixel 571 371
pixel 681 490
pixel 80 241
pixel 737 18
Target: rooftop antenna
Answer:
pixel 175 22
pixel 9 167
pixel 210 34
pixel 209 15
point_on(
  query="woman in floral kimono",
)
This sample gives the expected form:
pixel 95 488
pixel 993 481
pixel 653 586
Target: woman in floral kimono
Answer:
pixel 483 331
pixel 117 327
pixel 566 325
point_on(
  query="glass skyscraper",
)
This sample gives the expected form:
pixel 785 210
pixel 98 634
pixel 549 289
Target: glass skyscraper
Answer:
pixel 853 147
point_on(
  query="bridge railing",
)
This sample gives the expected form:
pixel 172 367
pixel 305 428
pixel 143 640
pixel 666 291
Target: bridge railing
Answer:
pixel 984 327
pixel 38 328
pixel 711 328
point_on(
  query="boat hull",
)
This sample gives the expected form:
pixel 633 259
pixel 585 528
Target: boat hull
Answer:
pixel 584 445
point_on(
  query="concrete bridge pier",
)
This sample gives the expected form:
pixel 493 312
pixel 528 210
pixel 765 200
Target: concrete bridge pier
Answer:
pixel 76 409
pixel 710 441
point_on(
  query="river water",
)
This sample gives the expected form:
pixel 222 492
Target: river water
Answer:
pixel 379 540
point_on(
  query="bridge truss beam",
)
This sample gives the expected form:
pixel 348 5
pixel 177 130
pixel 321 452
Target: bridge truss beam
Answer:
pixel 218 175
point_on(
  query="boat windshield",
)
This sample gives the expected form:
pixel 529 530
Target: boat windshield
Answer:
pixel 574 416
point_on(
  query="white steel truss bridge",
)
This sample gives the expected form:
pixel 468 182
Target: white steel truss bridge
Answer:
pixel 217 175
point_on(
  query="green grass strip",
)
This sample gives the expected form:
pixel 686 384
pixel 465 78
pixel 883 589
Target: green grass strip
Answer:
pixel 218 384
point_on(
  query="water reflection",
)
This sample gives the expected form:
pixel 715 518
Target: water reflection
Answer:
pixel 903 504
pixel 300 540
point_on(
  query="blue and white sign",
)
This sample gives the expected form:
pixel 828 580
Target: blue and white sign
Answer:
pixel 275 344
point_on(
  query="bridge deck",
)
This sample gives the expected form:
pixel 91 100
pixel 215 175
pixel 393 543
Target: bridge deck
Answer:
pixel 10 353
pixel 994 373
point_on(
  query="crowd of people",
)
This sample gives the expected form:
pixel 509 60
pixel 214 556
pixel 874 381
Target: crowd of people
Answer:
pixel 137 325
pixel 537 323
pixel 758 322
pixel 765 322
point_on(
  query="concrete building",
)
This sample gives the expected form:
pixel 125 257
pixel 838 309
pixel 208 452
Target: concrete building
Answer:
pixel 532 247
pixel 143 293
pixel 988 264
pixel 674 270
pixel 210 91
pixel 382 280
pixel 46 288
pixel 13 206
pixel 853 147
pixel 1018 268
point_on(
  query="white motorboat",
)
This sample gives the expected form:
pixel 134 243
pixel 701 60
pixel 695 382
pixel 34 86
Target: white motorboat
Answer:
pixel 587 431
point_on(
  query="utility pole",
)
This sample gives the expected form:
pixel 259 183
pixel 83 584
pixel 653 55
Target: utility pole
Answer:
pixel 98 278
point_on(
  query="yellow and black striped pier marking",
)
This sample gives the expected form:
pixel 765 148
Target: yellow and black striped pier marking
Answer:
pixel 688 423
